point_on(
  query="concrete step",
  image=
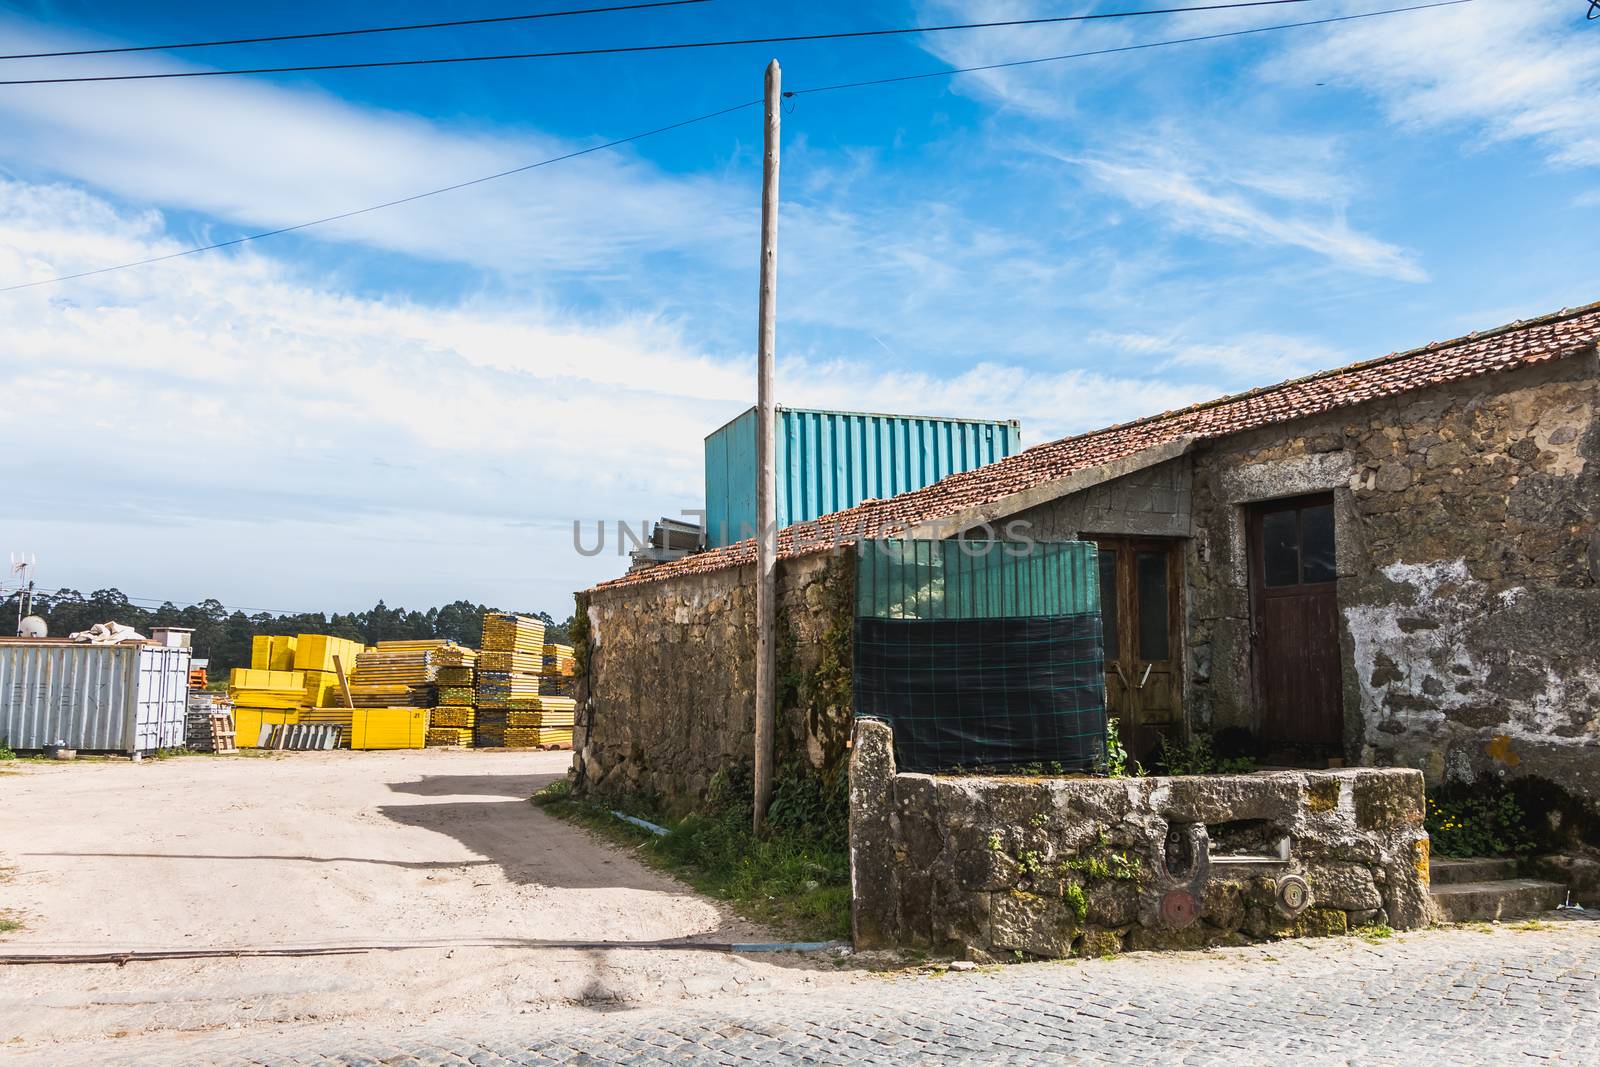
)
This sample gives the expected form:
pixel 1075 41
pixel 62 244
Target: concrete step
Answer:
pixel 1478 869
pixel 1508 898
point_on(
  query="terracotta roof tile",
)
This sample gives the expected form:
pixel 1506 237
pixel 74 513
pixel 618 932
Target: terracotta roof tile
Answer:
pixel 1518 344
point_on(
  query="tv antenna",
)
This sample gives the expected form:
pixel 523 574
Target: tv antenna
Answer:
pixel 22 565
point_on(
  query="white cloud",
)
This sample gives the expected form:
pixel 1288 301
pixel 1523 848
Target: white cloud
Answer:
pixel 258 156
pixel 1503 69
pixel 325 439
pixel 1250 360
pixel 1204 191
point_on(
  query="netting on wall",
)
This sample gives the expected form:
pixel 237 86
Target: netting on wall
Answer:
pixel 988 659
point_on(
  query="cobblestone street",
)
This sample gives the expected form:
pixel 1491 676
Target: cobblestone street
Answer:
pixel 1463 995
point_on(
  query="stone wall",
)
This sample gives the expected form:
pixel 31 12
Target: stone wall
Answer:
pixel 670 679
pixel 994 868
pixel 1153 502
pixel 1468 554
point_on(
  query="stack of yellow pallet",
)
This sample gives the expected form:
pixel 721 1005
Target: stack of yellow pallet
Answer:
pixel 451 726
pixel 315 654
pixel 337 715
pixel 264 698
pixel 388 728
pixel 272 653
pixel 501 690
pixel 509 662
pixel 390 695
pixel 512 633
pixel 457 687
pixel 508 673
pixel 560 660
pixel 551 720
pixel 529 722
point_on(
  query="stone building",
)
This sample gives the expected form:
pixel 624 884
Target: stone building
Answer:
pixel 1394 563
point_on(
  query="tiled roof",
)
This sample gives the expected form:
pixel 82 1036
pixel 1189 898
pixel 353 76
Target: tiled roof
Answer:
pixel 1519 344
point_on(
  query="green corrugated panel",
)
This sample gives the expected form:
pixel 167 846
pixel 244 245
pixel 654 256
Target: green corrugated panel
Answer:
pixel 976 579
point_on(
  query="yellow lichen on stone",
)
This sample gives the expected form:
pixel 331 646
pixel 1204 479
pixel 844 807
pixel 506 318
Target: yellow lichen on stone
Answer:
pixel 1498 748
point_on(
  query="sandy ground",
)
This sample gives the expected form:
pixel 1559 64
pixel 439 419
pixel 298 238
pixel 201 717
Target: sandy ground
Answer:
pixel 437 848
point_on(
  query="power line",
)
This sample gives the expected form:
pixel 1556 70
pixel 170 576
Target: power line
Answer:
pixel 1123 48
pixel 632 49
pixel 353 33
pixel 703 118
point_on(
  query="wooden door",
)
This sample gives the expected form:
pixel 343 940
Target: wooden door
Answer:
pixel 1141 613
pixel 1295 626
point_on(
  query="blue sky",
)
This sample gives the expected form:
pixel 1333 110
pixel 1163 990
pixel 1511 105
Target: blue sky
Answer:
pixel 416 404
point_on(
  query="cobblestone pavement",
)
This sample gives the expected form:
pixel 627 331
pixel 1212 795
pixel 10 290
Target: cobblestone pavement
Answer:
pixel 1465 995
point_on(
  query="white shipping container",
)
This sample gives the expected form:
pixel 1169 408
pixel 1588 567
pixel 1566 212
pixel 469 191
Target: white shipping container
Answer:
pixel 94 698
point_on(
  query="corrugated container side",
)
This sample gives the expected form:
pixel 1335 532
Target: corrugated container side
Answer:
pixel 97 698
pixel 162 697
pixel 831 460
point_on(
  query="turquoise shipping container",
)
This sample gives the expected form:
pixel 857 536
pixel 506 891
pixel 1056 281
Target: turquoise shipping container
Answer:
pixel 831 460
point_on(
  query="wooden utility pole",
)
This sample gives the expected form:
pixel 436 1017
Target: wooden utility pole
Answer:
pixel 766 479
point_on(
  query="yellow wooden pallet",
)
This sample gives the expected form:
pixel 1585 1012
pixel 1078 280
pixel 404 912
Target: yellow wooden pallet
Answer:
pixel 315 652
pixel 510 662
pixel 251 678
pixel 384 728
pixel 272 653
pixel 512 633
pixel 454 716
pixel 559 659
pixel 248 721
pixel 322 689
pixel 448 737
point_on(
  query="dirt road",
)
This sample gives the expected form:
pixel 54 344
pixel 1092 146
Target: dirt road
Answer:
pixel 437 848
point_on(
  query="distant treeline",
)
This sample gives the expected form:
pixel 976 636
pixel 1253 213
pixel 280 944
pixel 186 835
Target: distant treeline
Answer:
pixel 224 637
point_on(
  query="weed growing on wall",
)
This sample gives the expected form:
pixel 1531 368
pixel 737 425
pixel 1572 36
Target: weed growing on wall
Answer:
pixel 578 635
pixel 1117 764
pixel 1197 756
pixel 1481 822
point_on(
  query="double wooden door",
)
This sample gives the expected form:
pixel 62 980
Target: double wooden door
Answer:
pixel 1141 608
pixel 1295 628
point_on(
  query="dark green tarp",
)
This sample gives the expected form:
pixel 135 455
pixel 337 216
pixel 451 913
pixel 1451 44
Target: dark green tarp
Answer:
pixel 982 656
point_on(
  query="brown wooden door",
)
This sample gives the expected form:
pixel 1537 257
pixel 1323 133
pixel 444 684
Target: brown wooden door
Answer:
pixel 1295 627
pixel 1141 612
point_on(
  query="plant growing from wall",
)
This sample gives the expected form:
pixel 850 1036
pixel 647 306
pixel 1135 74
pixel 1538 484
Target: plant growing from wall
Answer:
pixel 1482 821
pixel 579 634
pixel 1077 900
pixel 1198 756
pixel 820 693
pixel 1117 764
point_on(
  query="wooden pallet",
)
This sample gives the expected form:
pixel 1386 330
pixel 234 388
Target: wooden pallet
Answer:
pixel 213 732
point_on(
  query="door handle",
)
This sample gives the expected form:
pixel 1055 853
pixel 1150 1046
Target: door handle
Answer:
pixel 1146 677
pixel 1124 677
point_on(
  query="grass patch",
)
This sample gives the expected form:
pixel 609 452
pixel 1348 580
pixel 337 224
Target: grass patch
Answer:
pixel 9 924
pixel 6 753
pixel 1374 935
pixel 795 878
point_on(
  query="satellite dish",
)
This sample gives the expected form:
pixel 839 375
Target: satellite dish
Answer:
pixel 33 626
